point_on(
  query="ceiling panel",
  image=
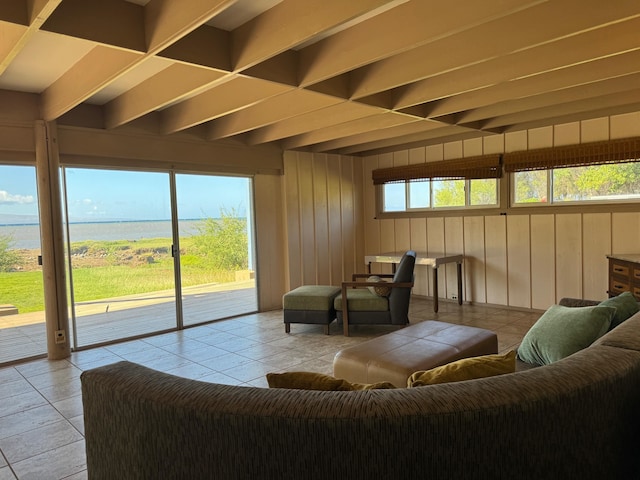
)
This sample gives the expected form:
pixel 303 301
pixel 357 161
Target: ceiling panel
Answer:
pixel 326 75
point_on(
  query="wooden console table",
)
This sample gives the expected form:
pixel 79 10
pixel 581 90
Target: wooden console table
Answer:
pixel 422 258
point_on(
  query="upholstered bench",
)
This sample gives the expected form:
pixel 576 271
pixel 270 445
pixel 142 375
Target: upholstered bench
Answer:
pixel 395 356
pixel 310 304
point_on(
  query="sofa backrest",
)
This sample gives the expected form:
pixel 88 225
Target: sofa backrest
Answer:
pixel 576 418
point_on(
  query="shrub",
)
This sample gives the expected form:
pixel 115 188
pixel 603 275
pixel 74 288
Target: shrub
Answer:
pixel 9 258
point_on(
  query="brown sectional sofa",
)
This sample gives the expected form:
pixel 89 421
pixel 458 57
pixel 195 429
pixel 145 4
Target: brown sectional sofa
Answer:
pixel 576 418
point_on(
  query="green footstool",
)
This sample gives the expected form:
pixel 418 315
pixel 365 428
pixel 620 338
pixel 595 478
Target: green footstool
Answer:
pixel 311 304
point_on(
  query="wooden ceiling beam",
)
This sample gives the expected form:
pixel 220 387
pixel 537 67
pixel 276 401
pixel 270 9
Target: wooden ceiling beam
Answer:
pixel 421 133
pixel 594 44
pixel 311 121
pixel 94 71
pixel 289 104
pixel 401 28
pixel 291 23
pixel 367 124
pixel 18 23
pixel 500 37
pixel 164 22
pixel 611 101
pixel 603 77
pixel 230 96
pixel 170 85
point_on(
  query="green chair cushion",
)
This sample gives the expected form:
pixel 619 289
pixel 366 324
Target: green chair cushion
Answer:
pixel 362 300
pixel 310 297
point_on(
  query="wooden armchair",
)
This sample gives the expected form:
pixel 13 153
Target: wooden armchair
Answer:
pixel 364 306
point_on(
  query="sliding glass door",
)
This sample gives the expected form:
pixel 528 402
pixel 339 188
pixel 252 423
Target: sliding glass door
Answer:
pixel 153 251
pixel 22 320
pixel 216 238
pixel 119 246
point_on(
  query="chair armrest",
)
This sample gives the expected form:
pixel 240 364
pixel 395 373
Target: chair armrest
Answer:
pixel 378 284
pixel 367 275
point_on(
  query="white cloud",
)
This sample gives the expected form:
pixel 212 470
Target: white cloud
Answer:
pixel 6 197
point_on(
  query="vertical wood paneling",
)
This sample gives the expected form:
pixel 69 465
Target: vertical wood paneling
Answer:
pixel 540 137
pixel 329 224
pixel 496 259
pixel 626 125
pixel 419 244
pixel 307 218
pixel 519 260
pixel 596 233
pixel 292 211
pixel 337 245
pixel 454 244
pixel 321 220
pixel 625 232
pixel 358 202
pixel 568 256
pixel 474 261
pixel 435 244
pixel 270 252
pixel 371 224
pixel 543 265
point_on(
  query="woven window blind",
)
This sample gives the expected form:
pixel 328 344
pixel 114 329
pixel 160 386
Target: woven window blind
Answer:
pixel 486 166
pixel 596 153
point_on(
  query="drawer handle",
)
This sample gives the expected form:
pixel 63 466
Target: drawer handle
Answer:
pixel 618 269
pixel 618 286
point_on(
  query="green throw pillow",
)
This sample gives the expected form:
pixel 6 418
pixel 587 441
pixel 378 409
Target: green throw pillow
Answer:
pixel 465 369
pixel 318 381
pixel 625 305
pixel 563 331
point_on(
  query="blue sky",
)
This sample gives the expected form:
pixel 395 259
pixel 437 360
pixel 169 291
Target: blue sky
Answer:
pixel 103 195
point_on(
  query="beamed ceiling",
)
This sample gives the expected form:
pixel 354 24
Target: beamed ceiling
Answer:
pixel 354 77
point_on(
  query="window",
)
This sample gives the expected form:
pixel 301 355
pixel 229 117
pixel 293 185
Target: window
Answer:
pixel 459 183
pixel 435 194
pixel 593 172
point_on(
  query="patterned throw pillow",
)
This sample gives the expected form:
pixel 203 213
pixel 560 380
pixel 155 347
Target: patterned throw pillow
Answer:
pixel 379 290
pixel 319 381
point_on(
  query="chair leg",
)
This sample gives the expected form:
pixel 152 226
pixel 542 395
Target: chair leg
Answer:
pixel 326 329
pixel 287 328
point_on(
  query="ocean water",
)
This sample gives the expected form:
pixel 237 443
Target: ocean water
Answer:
pixel 28 236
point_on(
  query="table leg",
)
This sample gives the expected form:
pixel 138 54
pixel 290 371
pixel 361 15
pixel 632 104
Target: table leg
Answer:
pixel 435 289
pixel 459 268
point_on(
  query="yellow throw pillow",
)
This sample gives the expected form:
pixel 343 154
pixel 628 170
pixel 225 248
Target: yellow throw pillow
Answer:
pixel 318 381
pixel 465 369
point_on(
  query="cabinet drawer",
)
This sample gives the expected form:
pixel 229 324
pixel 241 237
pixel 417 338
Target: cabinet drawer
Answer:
pixel 636 293
pixel 618 269
pixel 616 286
pixel 636 274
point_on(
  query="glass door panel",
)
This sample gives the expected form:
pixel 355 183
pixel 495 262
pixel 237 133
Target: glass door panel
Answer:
pixel 216 247
pixel 119 247
pixel 22 320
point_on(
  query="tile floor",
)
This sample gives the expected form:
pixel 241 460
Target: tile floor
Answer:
pixel 41 423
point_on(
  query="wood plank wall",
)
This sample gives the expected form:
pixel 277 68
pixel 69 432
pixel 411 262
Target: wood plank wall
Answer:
pixel 525 261
pixel 322 205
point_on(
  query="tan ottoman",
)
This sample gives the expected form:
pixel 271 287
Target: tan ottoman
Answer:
pixel 395 356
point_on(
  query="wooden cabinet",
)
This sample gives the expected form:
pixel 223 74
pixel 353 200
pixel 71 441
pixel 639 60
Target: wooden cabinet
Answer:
pixel 624 274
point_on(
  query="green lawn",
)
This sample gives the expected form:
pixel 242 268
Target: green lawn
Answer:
pixel 113 269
